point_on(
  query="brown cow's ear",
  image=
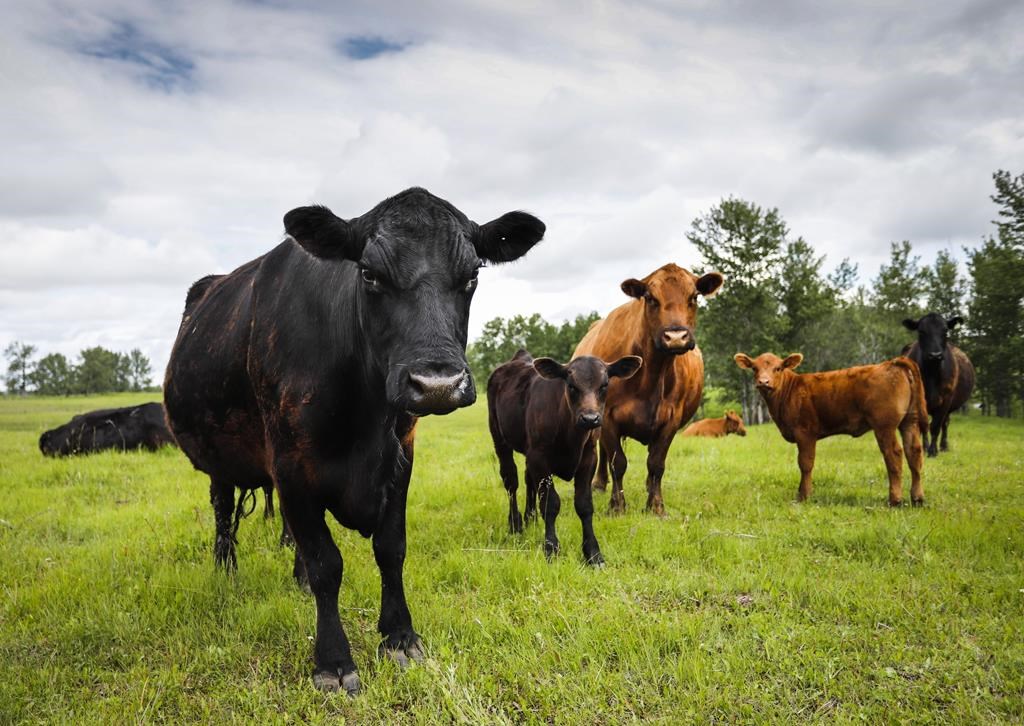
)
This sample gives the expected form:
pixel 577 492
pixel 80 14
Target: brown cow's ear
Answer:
pixel 323 234
pixel 634 288
pixel 792 361
pixel 954 321
pixel 625 367
pixel 743 360
pixel 508 237
pixel 707 285
pixel 549 368
pixel 910 324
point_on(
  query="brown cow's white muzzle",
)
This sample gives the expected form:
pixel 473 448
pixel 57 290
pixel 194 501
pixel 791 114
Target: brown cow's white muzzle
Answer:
pixel 673 339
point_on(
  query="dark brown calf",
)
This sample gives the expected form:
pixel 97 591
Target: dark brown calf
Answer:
pixel 882 398
pixel 730 423
pixel 551 413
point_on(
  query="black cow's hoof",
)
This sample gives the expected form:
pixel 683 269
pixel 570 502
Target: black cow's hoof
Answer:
pixel 515 523
pixel 330 682
pixel 551 548
pixel 403 655
pixel 224 554
pixel 594 560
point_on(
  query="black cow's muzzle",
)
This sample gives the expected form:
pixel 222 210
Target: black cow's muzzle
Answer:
pixel 588 421
pixel 434 390
pixel 935 356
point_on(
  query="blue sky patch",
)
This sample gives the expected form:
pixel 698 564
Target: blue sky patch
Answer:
pixel 364 47
pixel 160 66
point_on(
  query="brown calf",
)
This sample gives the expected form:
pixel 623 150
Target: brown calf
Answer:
pixel 880 398
pixel 659 325
pixel 730 423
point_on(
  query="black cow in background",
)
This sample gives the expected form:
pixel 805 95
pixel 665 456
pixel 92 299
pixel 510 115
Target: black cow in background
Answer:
pixel 309 366
pixel 947 372
pixel 131 427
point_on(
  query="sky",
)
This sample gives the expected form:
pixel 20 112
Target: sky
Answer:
pixel 146 144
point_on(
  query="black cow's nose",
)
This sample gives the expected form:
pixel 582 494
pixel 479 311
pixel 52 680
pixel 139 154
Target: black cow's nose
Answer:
pixel 935 356
pixel 437 393
pixel 589 420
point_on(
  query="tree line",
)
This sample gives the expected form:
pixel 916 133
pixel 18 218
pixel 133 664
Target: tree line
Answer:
pixel 779 297
pixel 98 370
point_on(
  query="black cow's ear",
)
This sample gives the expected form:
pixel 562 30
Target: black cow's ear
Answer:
pixel 954 321
pixel 634 288
pixel 322 233
pixel 707 285
pixel 910 324
pixel 743 360
pixel 549 368
pixel 508 237
pixel 625 367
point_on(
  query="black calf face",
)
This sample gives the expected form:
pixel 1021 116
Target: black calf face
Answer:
pixel 417 259
pixel 586 383
pixel 932 334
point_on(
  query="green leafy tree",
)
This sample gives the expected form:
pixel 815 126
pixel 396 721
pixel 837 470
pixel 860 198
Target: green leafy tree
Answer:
pixel 807 299
pixel 19 366
pixel 501 338
pixel 53 375
pixel 747 244
pixel 897 293
pixel 101 371
pixel 140 371
pixel 945 287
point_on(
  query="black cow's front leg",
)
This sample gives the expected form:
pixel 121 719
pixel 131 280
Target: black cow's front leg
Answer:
pixel 319 561
pixel 400 642
pixel 584 502
pixel 222 497
pixel 550 506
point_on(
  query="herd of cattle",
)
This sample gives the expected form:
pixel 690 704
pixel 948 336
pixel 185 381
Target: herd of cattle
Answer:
pixel 306 369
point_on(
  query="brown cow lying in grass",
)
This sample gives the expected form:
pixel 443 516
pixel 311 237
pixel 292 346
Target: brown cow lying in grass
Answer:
pixel 730 423
pixel 882 398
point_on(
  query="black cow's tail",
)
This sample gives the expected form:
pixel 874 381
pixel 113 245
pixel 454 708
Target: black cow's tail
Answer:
pixel 918 400
pixel 247 495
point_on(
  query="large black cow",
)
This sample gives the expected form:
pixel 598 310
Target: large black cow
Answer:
pixel 947 372
pixel 131 427
pixel 309 366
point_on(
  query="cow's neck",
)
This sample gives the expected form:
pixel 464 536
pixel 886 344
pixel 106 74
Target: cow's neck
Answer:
pixel 658 366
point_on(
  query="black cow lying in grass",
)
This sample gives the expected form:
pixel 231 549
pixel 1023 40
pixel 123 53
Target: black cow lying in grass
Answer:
pixel 131 427
pixel 551 413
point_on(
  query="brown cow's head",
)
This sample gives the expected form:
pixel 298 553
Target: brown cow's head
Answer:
pixel 734 424
pixel 586 383
pixel 669 295
pixel 768 369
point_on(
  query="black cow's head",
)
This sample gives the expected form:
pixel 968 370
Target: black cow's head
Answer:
pixel 932 334
pixel 586 383
pixel 63 440
pixel 670 305
pixel 416 262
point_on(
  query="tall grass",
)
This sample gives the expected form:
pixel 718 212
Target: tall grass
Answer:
pixel 738 606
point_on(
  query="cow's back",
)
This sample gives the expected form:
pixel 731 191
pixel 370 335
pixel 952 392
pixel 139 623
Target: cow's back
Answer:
pixel 706 427
pixel 965 379
pixel 508 395
pixel 208 396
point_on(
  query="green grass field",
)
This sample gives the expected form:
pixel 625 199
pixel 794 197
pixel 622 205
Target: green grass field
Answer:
pixel 739 606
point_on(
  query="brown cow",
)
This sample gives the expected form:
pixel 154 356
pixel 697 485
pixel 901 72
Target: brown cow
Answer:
pixel 653 405
pixel 730 423
pixel 880 398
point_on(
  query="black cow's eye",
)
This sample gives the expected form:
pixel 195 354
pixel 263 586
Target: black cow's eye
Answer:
pixel 370 278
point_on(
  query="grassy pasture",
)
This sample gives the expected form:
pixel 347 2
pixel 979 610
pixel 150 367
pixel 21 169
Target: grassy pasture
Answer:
pixel 738 606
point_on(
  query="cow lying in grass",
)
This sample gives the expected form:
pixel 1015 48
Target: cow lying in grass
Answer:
pixel 131 427
pixel 882 398
pixel 730 423
pixel 551 413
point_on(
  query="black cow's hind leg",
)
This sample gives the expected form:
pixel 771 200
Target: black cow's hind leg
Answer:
pixel 222 497
pixel 583 500
pixel 268 497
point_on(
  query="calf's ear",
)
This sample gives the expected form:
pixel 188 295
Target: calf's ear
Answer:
pixel 625 367
pixel 634 288
pixel 792 361
pixel 954 321
pixel 323 234
pixel 707 285
pixel 508 237
pixel 910 324
pixel 743 360
pixel 549 368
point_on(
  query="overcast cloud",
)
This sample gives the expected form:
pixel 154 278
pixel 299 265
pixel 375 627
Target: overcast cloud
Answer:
pixel 147 144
